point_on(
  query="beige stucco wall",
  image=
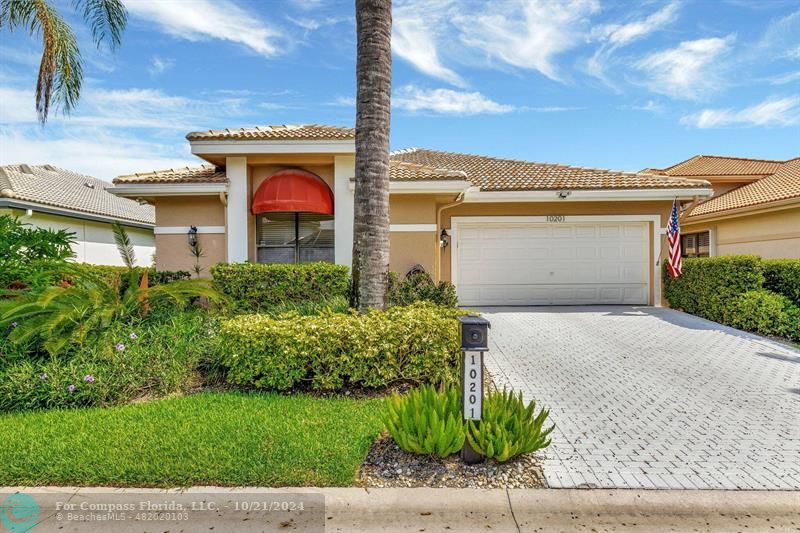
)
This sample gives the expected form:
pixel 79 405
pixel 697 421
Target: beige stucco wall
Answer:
pixel 172 251
pixel 771 235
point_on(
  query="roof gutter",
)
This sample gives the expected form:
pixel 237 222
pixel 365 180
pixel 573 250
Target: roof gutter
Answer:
pixel 50 210
pixel 168 189
pixel 592 195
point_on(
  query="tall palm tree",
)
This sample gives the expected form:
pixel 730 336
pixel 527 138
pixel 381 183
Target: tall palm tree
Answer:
pixel 60 70
pixel 371 225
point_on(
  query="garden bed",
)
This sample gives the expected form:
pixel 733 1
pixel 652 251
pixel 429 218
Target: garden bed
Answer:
pixel 387 465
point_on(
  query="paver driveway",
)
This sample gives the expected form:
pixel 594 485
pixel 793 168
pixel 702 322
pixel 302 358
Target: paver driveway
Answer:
pixel 647 397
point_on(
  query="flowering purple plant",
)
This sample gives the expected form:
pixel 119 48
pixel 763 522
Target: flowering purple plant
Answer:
pixel 133 336
pixel 14 324
pixel 44 375
pixel 88 378
pixel 120 346
pixel 71 388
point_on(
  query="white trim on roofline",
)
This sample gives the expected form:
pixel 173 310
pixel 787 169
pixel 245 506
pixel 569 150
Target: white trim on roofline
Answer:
pixel 422 187
pixel 412 227
pixel 71 213
pixel 183 230
pixel 263 146
pixel 584 195
pixel 168 189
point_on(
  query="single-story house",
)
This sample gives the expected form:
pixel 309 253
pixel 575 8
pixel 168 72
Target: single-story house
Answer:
pixel 755 208
pixel 503 231
pixel 51 197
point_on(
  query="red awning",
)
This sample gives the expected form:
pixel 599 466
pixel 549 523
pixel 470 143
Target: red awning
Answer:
pixel 293 190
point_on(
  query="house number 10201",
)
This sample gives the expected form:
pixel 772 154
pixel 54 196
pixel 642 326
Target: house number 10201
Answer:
pixel 473 385
pixel 556 218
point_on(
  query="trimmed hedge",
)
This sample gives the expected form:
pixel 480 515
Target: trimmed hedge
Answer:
pixel 420 287
pixel 120 274
pixel 783 276
pixel 708 284
pixel 257 286
pixel 764 312
pixel 332 350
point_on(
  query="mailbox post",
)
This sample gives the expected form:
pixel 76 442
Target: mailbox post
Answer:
pixel 474 343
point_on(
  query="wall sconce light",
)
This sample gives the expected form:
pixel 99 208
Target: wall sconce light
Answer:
pixel 192 236
pixel 444 239
pixel 563 194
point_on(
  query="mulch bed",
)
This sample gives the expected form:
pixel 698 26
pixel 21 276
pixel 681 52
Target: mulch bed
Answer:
pixel 387 465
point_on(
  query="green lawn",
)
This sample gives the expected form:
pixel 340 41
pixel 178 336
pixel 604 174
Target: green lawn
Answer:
pixel 204 439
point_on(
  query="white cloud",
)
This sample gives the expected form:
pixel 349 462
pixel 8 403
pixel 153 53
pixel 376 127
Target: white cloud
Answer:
pixel 615 36
pixel 770 112
pixel 526 34
pixel 689 71
pixel 651 106
pixel 446 101
pixel 98 153
pixel 211 19
pixel 414 40
pixel 793 53
pixel 782 79
pixel 159 65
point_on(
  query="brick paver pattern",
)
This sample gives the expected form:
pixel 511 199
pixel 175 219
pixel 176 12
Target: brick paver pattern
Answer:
pixel 647 397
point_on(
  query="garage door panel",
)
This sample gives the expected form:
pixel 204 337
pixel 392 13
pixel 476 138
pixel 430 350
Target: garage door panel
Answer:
pixel 552 264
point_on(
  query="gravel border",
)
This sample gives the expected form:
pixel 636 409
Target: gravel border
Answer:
pixel 387 465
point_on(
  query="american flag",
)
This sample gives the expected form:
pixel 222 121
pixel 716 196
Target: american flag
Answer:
pixel 674 237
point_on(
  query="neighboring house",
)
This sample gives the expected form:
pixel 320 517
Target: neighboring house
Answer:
pixel 51 197
pixel 755 208
pixel 503 231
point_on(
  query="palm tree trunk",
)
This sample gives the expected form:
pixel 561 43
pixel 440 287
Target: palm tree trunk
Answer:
pixel 371 224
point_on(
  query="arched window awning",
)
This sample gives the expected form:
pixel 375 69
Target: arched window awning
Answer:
pixel 293 190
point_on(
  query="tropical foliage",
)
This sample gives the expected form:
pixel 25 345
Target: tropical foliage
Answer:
pixel 31 256
pixel 508 427
pixel 74 312
pixel 419 286
pixel 60 70
pixel 426 421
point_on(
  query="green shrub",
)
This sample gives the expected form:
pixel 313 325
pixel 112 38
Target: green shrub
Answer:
pixel 337 304
pixel 419 286
pixel 418 343
pixel 763 312
pixel 426 421
pixel 708 284
pixel 128 361
pixel 30 256
pixel 254 286
pixel 783 276
pixel 120 275
pixel 76 313
pixel 508 427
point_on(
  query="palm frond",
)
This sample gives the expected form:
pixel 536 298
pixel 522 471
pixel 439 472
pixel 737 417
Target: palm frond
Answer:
pixel 106 18
pixel 124 246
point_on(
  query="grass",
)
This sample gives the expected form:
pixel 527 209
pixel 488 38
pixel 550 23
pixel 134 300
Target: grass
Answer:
pixel 222 438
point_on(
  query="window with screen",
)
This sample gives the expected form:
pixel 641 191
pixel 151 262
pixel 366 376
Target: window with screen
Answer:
pixel 695 244
pixel 294 237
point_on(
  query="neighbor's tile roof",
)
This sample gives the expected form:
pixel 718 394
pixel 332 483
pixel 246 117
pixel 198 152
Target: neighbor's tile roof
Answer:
pixel 404 171
pixel 302 132
pixel 494 174
pixel 784 184
pixel 199 174
pixel 713 165
pixel 53 186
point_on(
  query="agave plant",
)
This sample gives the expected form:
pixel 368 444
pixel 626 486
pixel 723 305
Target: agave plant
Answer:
pixel 426 421
pixel 76 311
pixel 508 428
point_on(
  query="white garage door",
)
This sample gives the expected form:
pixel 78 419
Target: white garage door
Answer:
pixel 531 263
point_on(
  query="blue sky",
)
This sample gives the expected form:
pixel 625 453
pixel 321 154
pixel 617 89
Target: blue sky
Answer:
pixel 622 85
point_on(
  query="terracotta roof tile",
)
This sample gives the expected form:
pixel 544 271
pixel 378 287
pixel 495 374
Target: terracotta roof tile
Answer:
pixel 200 174
pixel 404 171
pixel 53 186
pixel 784 184
pixel 494 174
pixel 303 132
pixel 713 165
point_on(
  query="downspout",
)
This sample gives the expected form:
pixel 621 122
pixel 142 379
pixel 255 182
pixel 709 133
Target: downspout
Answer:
pixel 437 258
